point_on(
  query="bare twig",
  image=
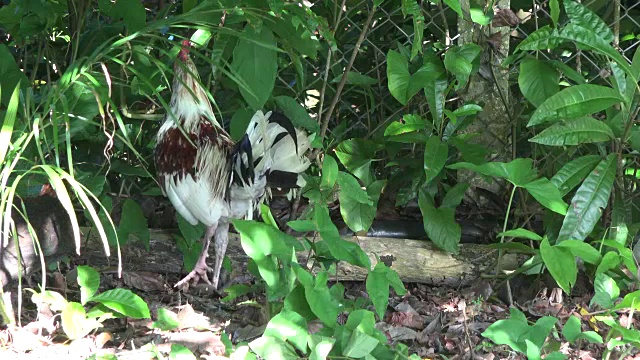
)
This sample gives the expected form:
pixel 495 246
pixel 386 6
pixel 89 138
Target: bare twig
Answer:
pixel 343 80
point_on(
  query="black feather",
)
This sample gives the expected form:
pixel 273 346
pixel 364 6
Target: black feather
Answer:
pixel 247 169
pixel 282 179
pixel 280 119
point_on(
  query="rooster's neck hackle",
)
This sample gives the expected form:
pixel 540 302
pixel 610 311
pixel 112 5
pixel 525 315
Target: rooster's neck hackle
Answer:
pixel 189 102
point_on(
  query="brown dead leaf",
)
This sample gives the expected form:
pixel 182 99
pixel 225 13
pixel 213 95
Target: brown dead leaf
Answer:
pixel 189 319
pixel 200 341
pixel 505 17
pixel 143 280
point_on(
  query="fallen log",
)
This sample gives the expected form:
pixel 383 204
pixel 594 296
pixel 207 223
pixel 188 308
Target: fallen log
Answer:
pixel 416 261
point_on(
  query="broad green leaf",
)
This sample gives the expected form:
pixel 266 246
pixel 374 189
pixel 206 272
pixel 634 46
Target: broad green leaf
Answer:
pixel 289 326
pixel 572 328
pixel 378 282
pixel 511 332
pixel 580 15
pixel 298 115
pixel 583 130
pixel 574 102
pixel 542 329
pixel 610 260
pixel 462 61
pixel 329 173
pixel 167 320
pixel 356 155
pixel 435 157
pixel 547 194
pixel 521 233
pixel 537 80
pixel 320 349
pixel 454 196
pixel 402 84
pixel 355 78
pixel 630 301
pixel 123 301
pixel 542 39
pixel 435 88
pixel 360 345
pixel 89 282
pixel 298 37
pixel 574 172
pixel 296 301
pixel 339 248
pixel 519 172
pixel 440 224
pixel 10 75
pixel 567 71
pixel 350 186
pixel 133 222
pixel 181 352
pixel 561 264
pixel 239 122
pixel 318 296
pixel 606 291
pixel 587 204
pixel 358 215
pixel 455 6
pixel 268 347
pixel 75 323
pixel 582 250
pixel 255 63
pixel 408 124
pixel 302 225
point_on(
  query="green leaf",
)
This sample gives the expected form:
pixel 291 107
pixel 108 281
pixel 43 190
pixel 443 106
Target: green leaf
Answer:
pixel 435 88
pixel 339 248
pixel 462 61
pixel 320 348
pixel 583 130
pixel 574 172
pixel 580 15
pixel 181 352
pixel 123 301
pixel 402 84
pixel 541 39
pixel 133 222
pixel 511 332
pixel 356 155
pixel 350 186
pixel 360 345
pixel 6 130
pixel 10 76
pixel 298 37
pixel 167 320
pixel 454 196
pixel 89 282
pixel 256 64
pixel 414 8
pixel 297 113
pixel 630 301
pixel 455 6
pixel 377 284
pixel 408 124
pixel 355 78
pixel 606 291
pixel 519 172
pixel 273 348
pixel 561 264
pixel 554 10
pixel 440 224
pixel 521 233
pixel 572 328
pixel 574 102
pixel 587 204
pixel 318 296
pixel 239 122
pixel 75 323
pixel 547 194
pixel 582 250
pixel 435 157
pixel 329 173
pixel 538 81
pixel 289 326
pixel 358 215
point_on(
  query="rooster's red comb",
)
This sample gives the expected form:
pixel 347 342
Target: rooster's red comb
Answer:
pixel 184 52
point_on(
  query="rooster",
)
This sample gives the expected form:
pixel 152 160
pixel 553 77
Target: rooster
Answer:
pixel 210 179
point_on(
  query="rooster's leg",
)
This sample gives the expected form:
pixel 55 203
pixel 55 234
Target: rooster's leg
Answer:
pixel 200 270
pixel 220 245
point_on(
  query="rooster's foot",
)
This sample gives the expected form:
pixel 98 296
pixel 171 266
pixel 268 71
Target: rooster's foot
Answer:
pixel 198 273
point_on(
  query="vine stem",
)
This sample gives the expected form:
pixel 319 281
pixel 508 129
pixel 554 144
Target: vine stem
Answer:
pixel 504 227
